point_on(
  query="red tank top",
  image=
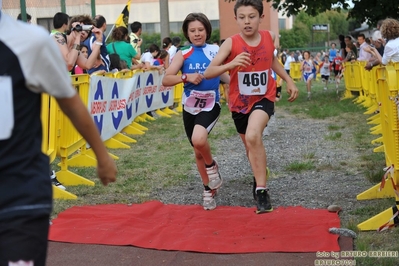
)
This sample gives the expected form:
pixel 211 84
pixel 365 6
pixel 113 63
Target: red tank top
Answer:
pixel 255 82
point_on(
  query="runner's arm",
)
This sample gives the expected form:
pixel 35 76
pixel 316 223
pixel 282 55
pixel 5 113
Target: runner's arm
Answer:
pixel 76 111
pixel 217 68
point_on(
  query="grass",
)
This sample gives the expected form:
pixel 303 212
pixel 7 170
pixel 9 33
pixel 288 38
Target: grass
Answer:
pixel 163 157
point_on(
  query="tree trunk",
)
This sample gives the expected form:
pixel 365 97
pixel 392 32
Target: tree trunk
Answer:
pixel 164 13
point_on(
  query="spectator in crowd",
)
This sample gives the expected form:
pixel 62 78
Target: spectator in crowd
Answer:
pixel 374 60
pixel 377 33
pixel 342 45
pixel 121 47
pixel 148 57
pixel 135 39
pixel 199 119
pixel 69 45
pixel 363 55
pixel 77 69
pixel 166 43
pixel 33 67
pixel 351 52
pixel 283 58
pixel 162 59
pixel 28 18
pixel 332 52
pixel 318 58
pixel 83 20
pixel 390 32
pixel 176 41
pixel 290 59
pixel 94 41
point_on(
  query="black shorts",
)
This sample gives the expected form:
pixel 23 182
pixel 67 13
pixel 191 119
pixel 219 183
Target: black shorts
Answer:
pixel 205 119
pixel 24 238
pixel 241 120
pixel 337 72
pixel 325 77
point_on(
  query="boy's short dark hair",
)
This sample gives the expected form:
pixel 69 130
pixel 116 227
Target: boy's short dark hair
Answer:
pixel 176 41
pixel 99 21
pixel 135 26
pixel 28 17
pixel 60 19
pixel 197 17
pixel 257 4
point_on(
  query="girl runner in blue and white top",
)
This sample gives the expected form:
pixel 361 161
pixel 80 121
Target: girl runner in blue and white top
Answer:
pixel 307 66
pixel 200 98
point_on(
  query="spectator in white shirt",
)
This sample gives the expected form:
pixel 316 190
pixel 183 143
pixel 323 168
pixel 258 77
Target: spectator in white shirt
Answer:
pixel 363 55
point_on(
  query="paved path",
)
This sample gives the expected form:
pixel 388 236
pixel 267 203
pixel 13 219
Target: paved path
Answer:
pixel 65 254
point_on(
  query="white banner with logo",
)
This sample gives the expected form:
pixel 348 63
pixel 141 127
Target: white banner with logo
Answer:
pixel 115 103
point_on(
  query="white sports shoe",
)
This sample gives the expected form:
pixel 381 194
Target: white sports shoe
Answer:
pixel 209 199
pixel 215 180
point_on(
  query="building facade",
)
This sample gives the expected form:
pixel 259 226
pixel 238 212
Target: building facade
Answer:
pixel 219 12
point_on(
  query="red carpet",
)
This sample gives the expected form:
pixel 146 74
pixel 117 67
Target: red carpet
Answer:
pixel 190 228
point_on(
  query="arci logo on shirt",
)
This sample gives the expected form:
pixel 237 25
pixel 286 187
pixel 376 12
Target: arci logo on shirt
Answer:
pixel 198 67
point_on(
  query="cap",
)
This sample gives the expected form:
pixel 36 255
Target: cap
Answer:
pixel 375 37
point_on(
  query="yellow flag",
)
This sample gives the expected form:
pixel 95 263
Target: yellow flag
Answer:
pixel 123 19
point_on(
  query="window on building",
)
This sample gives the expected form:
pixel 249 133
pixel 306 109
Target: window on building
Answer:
pixel 47 23
pixel 151 28
pixel 281 24
pixel 175 27
pixel 215 24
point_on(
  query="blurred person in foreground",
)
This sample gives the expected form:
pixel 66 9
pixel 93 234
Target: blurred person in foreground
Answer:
pixel 33 67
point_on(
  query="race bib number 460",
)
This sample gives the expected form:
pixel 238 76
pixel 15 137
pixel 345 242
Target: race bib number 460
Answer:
pixel 253 83
pixel 6 108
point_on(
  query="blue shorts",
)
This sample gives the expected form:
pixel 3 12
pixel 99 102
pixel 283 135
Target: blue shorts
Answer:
pixel 307 76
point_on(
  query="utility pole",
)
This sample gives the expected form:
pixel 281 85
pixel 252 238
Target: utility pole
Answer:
pixel 164 14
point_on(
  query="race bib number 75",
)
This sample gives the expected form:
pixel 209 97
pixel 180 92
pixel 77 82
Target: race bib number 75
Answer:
pixel 6 108
pixel 253 83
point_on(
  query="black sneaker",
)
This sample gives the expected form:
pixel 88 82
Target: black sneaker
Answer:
pixel 263 201
pixel 254 183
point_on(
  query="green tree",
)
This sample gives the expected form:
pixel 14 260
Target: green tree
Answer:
pixel 301 33
pixel 365 10
pixel 298 36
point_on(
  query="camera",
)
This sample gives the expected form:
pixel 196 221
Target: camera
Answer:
pixel 80 28
pixel 136 40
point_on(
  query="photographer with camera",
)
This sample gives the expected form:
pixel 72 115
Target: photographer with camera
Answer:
pixel 93 41
pixel 69 45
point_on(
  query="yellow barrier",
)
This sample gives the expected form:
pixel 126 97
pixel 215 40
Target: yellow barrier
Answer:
pixel 388 92
pixel 49 140
pixel 178 97
pixel 295 71
pixel 48 118
pixel 61 139
pixel 353 80
pixel 71 142
pixel 373 92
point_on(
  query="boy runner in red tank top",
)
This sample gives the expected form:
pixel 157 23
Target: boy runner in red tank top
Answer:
pixel 249 58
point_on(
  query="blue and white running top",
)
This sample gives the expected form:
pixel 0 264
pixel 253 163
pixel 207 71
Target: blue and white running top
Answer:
pixel 203 96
